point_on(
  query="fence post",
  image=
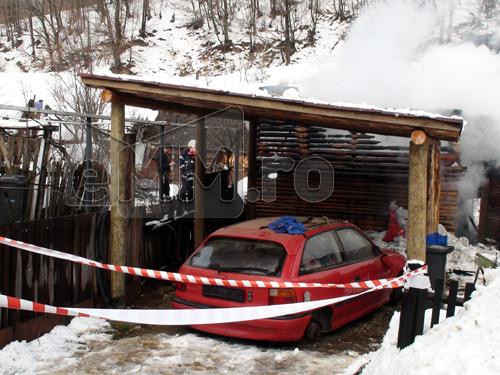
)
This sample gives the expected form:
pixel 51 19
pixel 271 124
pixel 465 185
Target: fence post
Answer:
pixel 411 321
pixel 436 302
pixel 452 298
pixel 412 315
pixel 406 318
pixel 469 288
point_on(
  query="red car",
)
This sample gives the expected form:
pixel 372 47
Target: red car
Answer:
pixel 334 252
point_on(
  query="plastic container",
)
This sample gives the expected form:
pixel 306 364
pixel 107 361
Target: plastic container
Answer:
pixel 436 260
pixel 436 239
pixel 11 198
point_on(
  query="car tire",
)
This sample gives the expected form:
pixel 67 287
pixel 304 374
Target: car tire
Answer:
pixel 313 332
pixel 396 293
pixel 396 296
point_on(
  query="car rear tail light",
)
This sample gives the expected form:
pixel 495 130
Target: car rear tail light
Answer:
pixel 180 286
pixel 280 296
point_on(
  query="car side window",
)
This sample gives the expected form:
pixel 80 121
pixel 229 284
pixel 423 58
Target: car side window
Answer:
pixel 321 252
pixel 356 246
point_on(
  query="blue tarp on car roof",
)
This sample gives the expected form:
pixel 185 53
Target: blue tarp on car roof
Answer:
pixel 287 224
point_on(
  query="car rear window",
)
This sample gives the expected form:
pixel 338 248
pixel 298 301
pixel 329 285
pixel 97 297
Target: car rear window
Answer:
pixel 251 257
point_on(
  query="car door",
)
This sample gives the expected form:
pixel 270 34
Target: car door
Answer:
pixel 365 265
pixel 323 261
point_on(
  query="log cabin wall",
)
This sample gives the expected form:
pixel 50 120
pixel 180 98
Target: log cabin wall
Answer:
pixel 489 223
pixel 368 175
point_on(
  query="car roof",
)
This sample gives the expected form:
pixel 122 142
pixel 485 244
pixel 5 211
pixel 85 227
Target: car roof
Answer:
pixel 258 229
pixel 309 222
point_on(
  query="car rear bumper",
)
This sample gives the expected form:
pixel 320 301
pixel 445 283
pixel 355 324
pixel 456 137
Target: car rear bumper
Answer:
pixel 283 328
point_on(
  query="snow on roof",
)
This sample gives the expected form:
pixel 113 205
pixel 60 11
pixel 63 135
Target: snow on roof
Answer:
pixel 258 91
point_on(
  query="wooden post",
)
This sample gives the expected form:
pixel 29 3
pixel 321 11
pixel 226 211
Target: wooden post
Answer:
pixel 5 154
pixel 39 161
pixel 118 221
pixel 433 186
pixel 130 140
pixel 252 167
pixel 161 191
pixel 42 178
pixel 88 164
pixel 417 196
pixel 199 193
pixel 483 211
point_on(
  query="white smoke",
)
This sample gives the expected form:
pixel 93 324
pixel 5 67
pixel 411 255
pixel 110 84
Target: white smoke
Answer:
pixel 394 58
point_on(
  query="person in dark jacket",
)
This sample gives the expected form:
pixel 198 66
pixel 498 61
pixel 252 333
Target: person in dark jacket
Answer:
pixel 186 165
pixel 164 160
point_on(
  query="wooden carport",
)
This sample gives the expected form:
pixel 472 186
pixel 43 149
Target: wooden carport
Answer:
pixel 424 130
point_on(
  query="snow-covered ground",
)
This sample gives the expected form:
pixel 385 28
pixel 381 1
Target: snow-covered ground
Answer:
pixel 465 344
pixel 87 347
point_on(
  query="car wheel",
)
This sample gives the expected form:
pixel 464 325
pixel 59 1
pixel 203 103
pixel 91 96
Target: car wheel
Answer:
pixel 396 293
pixel 313 332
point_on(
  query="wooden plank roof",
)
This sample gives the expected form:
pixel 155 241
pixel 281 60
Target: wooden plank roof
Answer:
pixel 201 101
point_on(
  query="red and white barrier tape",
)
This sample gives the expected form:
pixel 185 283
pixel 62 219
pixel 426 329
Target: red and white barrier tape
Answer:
pixel 186 316
pixel 172 276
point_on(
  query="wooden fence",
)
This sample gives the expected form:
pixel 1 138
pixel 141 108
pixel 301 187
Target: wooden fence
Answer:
pixel 62 283
pixel 43 279
pixel 415 302
pixel 51 187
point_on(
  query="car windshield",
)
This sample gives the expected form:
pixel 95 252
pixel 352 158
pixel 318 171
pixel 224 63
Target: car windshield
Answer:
pixel 252 257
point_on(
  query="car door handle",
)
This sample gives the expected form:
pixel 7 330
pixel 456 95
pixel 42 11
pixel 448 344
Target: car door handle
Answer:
pixel 357 278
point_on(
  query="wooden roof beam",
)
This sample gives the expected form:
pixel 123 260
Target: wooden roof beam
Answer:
pixel 191 99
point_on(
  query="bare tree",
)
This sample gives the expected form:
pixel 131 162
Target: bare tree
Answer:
pixel 80 50
pixel 71 95
pixel 225 13
pixel 341 9
pixel 12 20
pixel 197 8
pixel 314 11
pixel 251 14
pixel 219 14
pixel 288 11
pixel 146 16
pixel 274 8
pixel 32 32
pixel 114 20
pixel 49 13
pixel 348 9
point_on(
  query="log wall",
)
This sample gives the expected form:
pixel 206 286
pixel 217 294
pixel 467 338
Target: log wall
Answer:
pixel 368 175
pixel 489 228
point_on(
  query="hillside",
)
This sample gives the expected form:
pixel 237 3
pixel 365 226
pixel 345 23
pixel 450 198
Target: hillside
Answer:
pixel 179 39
